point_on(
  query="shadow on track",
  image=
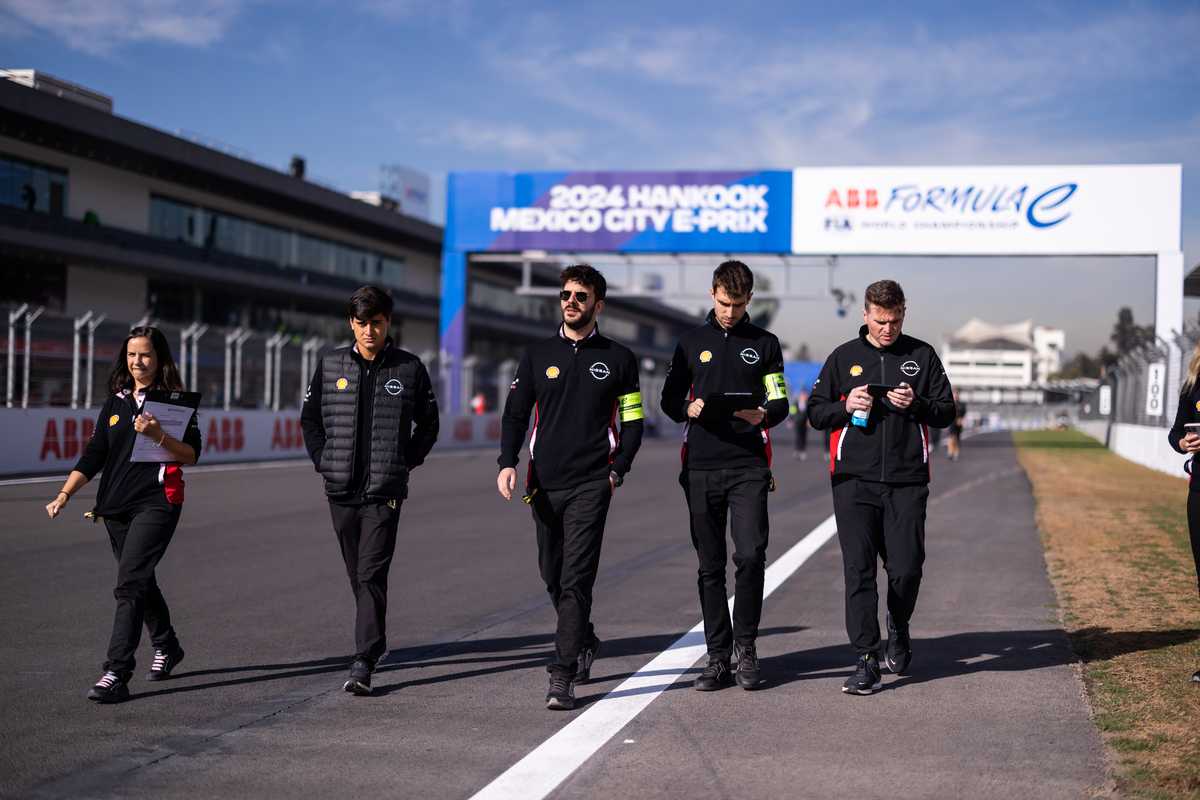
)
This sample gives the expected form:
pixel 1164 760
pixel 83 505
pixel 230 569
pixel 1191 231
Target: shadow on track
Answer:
pixel 967 653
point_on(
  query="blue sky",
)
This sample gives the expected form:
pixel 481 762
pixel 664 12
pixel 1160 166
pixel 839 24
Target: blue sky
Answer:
pixel 470 85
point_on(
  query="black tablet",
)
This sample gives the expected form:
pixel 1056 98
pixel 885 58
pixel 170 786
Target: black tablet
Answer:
pixel 723 404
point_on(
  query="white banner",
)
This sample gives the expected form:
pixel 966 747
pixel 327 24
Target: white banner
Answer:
pixel 1083 210
pixel 1156 387
pixel 1105 403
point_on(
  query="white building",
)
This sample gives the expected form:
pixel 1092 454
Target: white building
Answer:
pixel 981 354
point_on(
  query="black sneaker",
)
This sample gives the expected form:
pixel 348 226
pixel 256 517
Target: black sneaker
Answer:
pixel 1196 676
pixel 583 666
pixel 360 678
pixel 715 676
pixel 745 666
pixel 561 694
pixel 164 662
pixel 899 647
pixel 111 688
pixel 866 678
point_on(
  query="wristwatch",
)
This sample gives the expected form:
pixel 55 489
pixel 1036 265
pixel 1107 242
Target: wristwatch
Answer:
pixel 616 479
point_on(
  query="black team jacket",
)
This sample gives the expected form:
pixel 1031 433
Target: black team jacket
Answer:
pixel 1188 411
pixel 577 392
pixel 894 445
pixel 367 423
pixel 711 360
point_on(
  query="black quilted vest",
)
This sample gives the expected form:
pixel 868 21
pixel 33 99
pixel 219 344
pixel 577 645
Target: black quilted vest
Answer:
pixel 391 424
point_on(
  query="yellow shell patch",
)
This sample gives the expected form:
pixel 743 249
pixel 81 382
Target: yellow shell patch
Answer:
pixel 114 419
pixel 856 370
pixel 552 372
pixel 1198 405
pixel 342 383
pixel 706 357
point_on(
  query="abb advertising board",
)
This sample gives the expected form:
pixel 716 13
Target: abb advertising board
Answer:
pixel 50 440
pixel 1046 210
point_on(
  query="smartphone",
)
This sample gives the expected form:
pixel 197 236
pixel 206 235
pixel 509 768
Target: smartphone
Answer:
pixel 880 389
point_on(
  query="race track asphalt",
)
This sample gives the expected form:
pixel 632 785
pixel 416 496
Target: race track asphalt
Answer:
pixel 992 706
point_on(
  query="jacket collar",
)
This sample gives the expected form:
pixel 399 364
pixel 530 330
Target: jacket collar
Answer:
pixel 582 342
pixel 862 335
pixel 711 319
pixel 387 348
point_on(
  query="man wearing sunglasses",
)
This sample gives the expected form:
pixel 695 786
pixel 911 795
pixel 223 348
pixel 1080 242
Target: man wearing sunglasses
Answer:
pixel 726 382
pixel 577 383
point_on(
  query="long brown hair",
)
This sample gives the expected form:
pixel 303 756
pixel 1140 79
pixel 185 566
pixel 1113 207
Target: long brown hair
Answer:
pixel 167 376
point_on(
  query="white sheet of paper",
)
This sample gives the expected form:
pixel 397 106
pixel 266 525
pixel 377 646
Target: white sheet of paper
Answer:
pixel 173 419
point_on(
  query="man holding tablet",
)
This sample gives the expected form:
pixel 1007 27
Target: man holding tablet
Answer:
pixel 878 393
pixel 726 382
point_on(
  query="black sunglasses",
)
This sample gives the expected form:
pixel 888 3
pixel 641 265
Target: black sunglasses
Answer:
pixel 565 295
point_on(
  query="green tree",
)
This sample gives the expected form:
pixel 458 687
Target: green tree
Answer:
pixel 1127 335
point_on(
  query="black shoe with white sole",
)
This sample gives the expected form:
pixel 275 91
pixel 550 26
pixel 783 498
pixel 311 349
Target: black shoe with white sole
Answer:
pixel 111 688
pixel 715 676
pixel 164 662
pixel 583 665
pixel 899 647
pixel 561 694
pixel 1196 676
pixel 866 678
pixel 360 678
pixel 745 666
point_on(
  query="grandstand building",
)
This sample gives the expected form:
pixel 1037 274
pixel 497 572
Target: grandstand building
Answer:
pixel 102 214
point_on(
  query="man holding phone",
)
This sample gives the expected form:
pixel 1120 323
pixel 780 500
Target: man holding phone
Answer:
pixel 726 382
pixel 879 393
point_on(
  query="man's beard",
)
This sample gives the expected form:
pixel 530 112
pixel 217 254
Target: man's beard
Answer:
pixel 585 319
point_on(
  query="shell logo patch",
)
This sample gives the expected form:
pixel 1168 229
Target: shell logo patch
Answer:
pixel 552 372
pixel 856 370
pixel 114 419
pixel 342 383
pixel 705 356
pixel 1198 405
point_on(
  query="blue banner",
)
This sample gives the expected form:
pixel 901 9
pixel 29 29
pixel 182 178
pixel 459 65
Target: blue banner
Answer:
pixel 635 212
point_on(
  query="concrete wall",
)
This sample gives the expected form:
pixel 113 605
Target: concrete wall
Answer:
pixel 1142 444
pixel 121 295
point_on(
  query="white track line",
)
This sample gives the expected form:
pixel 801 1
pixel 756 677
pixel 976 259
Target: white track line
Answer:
pixel 552 762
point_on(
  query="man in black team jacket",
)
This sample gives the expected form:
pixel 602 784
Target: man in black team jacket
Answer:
pixel 878 394
pixel 726 382
pixel 369 417
pixel 577 383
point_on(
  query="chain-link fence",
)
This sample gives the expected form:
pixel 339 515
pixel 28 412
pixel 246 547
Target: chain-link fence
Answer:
pixel 1143 387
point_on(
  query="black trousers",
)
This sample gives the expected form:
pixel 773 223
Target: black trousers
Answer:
pixel 139 540
pixel 738 497
pixel 1193 515
pixel 879 520
pixel 367 536
pixel 570 529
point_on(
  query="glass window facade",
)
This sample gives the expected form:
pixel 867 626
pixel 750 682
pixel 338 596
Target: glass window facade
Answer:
pixel 32 186
pixel 204 227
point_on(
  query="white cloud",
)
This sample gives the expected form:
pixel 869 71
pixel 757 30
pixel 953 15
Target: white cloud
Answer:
pixel 552 148
pixel 100 27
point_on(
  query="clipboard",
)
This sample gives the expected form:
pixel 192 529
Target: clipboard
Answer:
pixel 174 411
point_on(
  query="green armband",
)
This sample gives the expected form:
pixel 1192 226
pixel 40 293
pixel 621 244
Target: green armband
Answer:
pixel 631 407
pixel 776 386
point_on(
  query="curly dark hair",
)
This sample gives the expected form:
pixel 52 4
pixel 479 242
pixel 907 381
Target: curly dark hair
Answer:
pixel 586 274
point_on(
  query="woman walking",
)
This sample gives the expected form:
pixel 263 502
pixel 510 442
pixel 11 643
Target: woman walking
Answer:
pixel 140 503
pixel 1187 441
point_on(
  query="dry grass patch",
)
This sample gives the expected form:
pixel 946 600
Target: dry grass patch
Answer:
pixel 1117 547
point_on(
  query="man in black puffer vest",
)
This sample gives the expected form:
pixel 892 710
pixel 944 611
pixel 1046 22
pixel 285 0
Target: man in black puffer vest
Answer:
pixel 369 417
